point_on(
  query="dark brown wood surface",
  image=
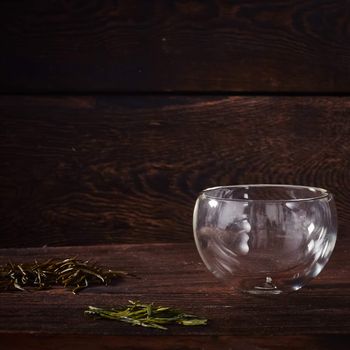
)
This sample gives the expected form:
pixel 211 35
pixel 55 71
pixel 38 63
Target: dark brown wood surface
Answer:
pixel 101 168
pixel 149 342
pixel 173 274
pixel 181 45
pixel 88 170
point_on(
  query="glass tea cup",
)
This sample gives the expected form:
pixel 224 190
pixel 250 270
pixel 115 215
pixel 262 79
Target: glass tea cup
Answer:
pixel 265 239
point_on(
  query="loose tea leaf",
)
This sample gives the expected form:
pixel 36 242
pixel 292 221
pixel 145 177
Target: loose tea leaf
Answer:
pixel 70 273
pixel 147 315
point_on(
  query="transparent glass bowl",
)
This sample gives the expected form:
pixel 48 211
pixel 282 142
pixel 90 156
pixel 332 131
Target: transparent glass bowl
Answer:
pixel 265 239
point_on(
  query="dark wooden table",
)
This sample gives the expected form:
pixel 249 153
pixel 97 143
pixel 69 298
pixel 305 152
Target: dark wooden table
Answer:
pixel 315 317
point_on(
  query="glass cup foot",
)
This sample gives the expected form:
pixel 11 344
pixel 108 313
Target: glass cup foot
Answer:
pixel 265 288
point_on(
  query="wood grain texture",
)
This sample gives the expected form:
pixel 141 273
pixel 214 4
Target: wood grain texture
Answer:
pixel 149 342
pixel 175 45
pixel 87 170
pixel 172 274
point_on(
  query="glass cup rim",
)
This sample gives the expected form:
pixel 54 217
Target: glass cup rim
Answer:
pixel 324 193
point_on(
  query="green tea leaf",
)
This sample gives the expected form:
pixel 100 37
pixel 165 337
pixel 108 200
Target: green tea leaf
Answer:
pixel 147 315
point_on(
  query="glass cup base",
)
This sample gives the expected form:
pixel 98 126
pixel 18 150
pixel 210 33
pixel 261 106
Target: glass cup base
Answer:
pixel 263 291
pixel 266 286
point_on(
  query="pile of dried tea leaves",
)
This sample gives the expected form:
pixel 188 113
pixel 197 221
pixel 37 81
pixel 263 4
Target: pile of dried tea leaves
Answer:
pixel 70 273
pixel 147 315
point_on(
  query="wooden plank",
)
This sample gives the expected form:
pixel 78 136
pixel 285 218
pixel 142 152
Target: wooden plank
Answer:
pixel 94 342
pixel 87 170
pixel 172 274
pixel 215 45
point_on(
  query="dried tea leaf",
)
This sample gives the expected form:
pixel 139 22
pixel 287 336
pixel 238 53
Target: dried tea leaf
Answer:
pixel 70 273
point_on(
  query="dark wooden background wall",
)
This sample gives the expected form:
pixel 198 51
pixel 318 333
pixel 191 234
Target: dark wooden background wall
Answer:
pixel 115 114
